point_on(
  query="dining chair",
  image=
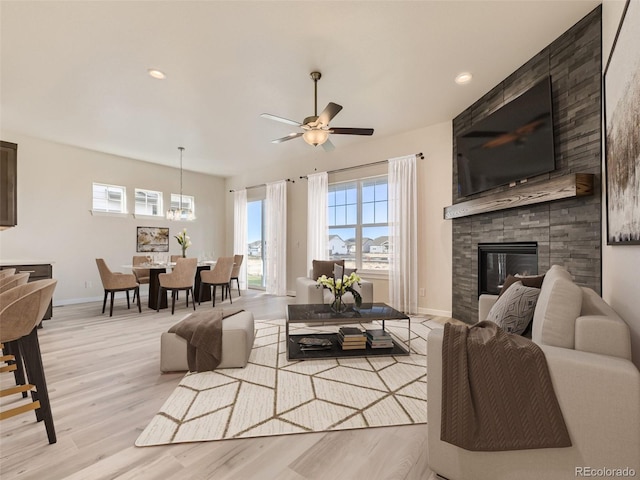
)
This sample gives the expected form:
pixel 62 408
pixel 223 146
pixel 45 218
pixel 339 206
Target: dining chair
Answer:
pixel 174 259
pixel 7 272
pixel 181 278
pixel 11 281
pixel 21 311
pixel 113 282
pixel 143 275
pixel 220 275
pixel 235 273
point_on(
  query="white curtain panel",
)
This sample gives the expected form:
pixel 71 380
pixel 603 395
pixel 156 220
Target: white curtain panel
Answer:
pixel 403 234
pixel 317 245
pixel 276 238
pixel 240 233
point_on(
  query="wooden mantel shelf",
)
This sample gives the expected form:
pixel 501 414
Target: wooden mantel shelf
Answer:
pixel 567 186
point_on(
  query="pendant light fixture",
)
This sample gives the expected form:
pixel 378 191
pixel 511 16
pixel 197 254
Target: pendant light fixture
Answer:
pixel 180 213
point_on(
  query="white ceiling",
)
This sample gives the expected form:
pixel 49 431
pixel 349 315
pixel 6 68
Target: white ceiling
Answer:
pixel 75 72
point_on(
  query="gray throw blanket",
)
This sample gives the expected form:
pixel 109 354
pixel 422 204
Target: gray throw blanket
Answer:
pixel 497 392
pixel 203 333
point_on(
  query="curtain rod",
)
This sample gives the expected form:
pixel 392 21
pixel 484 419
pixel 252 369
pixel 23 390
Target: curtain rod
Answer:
pixel 261 185
pixel 418 155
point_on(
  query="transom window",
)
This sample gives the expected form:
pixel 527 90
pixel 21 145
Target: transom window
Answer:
pixel 148 202
pixel 358 225
pixel 109 198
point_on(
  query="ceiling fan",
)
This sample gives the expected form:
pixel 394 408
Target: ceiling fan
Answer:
pixel 316 128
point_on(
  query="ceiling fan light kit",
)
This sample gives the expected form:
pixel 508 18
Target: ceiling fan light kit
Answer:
pixel 316 127
pixel 315 137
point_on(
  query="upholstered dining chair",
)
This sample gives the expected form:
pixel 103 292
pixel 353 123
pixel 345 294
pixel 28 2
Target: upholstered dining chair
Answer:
pixel 235 272
pixel 174 259
pixel 6 272
pixel 182 277
pixel 113 282
pixel 21 311
pixel 220 275
pixel 10 281
pixel 143 275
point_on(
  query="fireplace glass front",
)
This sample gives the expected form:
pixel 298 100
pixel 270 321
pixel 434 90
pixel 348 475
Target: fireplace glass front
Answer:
pixel 498 260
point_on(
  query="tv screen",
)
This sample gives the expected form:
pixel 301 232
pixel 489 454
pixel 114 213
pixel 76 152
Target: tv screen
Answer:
pixel 513 143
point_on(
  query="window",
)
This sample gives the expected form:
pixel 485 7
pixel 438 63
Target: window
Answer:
pixel 187 203
pixel 148 202
pixel 255 247
pixel 358 228
pixel 109 198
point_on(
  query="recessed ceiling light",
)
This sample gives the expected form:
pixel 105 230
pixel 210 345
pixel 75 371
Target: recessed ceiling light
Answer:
pixel 157 74
pixel 463 78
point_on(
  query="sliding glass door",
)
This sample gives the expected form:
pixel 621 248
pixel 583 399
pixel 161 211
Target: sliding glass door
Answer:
pixel 255 239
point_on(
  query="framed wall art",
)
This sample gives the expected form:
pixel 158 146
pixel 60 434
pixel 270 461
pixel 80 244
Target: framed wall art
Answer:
pixel 622 130
pixel 152 239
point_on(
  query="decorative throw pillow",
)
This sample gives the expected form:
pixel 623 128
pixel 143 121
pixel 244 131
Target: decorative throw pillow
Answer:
pixel 339 271
pixel 532 281
pixel 513 311
pixel 324 267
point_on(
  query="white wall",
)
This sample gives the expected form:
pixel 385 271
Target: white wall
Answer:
pixel 434 185
pixel 620 264
pixel 55 225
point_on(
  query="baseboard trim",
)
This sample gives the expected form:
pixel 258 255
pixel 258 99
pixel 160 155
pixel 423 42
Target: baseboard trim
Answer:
pixel 437 313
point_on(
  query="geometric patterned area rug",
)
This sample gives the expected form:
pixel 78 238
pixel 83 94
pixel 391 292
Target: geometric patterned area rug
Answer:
pixel 274 396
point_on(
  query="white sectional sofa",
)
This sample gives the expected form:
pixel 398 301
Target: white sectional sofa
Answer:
pixel 588 350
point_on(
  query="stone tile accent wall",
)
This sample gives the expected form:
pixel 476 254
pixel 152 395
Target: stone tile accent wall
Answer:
pixel 568 232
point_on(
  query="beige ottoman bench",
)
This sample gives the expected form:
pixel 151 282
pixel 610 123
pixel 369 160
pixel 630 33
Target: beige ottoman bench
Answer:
pixel 237 342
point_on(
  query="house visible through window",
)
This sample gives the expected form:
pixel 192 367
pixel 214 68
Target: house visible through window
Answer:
pixel 358 228
pixel 188 202
pixel 148 202
pixel 109 198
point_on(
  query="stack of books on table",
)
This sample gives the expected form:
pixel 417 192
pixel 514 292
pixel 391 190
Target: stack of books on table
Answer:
pixel 379 339
pixel 352 338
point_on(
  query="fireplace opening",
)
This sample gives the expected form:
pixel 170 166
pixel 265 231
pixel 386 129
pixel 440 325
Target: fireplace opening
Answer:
pixel 498 260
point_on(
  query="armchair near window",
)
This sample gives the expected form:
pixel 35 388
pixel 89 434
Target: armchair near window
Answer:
pixel 308 290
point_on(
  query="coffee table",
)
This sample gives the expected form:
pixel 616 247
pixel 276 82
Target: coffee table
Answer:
pixel 321 313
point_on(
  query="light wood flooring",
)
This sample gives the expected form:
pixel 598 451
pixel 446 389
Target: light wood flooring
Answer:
pixel 105 386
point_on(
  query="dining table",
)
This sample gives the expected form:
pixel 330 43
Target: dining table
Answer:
pixel 156 268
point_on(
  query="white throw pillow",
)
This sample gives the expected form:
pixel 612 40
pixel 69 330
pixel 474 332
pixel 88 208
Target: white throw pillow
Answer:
pixel 514 309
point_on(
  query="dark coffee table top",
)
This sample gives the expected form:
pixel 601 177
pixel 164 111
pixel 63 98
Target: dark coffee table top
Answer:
pixel 323 312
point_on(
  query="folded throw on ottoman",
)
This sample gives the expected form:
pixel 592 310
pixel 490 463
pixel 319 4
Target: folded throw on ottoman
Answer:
pixel 203 333
pixel 497 392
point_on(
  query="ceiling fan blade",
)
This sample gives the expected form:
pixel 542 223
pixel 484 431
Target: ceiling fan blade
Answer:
pixel 280 119
pixel 352 131
pixel 330 111
pixel 291 136
pixel 328 146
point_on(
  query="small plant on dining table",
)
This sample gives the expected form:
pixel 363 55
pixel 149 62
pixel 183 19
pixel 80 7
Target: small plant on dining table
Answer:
pixel 341 286
pixel 184 240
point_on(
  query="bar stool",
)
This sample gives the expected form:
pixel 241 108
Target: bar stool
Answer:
pixel 21 311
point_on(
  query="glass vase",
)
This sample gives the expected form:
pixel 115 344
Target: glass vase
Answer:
pixel 338 306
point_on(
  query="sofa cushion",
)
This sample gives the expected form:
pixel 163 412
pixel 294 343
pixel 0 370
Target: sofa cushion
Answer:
pixel 325 267
pixel 558 307
pixel 514 310
pixel 529 281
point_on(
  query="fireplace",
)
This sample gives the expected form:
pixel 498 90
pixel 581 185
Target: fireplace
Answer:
pixel 498 260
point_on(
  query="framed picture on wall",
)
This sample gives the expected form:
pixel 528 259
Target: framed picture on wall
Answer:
pixel 152 239
pixel 622 130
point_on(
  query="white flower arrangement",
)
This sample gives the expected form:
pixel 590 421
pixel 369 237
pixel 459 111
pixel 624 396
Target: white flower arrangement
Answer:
pixel 341 286
pixel 184 240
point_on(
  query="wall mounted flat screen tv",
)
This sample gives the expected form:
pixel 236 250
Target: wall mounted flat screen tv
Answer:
pixel 513 143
